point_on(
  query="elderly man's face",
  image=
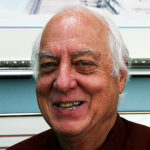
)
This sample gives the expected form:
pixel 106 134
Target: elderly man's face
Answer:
pixel 75 90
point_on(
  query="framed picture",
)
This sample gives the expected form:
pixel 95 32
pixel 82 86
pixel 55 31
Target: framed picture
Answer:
pixel 125 12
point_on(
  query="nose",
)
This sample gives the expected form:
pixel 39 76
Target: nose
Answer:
pixel 65 79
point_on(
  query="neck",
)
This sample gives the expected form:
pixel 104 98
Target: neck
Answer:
pixel 91 140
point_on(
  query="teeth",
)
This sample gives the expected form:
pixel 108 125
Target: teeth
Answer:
pixel 76 103
pixel 64 105
pixel 69 106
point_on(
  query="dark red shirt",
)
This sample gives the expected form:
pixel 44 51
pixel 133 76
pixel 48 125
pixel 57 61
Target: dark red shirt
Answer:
pixel 125 135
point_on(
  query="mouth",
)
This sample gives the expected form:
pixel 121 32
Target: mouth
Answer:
pixel 69 105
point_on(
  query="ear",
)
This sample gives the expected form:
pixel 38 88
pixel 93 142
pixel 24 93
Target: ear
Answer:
pixel 122 80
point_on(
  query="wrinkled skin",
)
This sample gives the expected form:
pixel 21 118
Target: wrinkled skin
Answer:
pixel 78 69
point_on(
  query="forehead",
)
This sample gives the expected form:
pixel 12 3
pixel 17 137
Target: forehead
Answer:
pixel 74 29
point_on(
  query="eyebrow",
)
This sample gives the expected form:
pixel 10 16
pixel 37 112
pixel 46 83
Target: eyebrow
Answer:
pixel 75 54
pixel 94 53
pixel 46 54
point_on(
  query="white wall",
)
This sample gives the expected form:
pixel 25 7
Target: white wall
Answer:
pixel 137 41
pixel 17 43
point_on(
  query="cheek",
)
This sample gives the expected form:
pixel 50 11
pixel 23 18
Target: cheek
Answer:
pixel 100 89
pixel 44 85
pixel 96 87
pixel 43 89
pixel 93 84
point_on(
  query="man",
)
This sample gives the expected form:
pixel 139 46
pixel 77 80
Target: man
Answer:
pixel 82 70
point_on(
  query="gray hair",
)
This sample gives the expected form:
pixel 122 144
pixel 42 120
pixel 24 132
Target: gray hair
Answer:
pixel 118 50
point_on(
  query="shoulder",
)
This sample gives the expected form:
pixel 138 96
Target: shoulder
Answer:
pixel 137 135
pixel 40 141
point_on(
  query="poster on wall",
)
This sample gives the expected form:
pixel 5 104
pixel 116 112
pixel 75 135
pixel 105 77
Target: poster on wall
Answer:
pixel 28 12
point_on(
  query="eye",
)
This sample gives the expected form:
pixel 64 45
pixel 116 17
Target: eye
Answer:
pixel 85 66
pixel 48 67
pixel 83 63
pixel 49 64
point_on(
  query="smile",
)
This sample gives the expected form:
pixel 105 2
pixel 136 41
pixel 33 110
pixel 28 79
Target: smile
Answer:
pixel 69 105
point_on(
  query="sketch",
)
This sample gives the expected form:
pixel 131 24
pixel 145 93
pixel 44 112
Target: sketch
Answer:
pixel 124 12
pixel 116 7
pixel 120 6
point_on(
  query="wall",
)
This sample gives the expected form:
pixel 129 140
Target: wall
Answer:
pixel 17 42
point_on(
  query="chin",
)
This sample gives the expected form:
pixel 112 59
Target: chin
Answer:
pixel 69 129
